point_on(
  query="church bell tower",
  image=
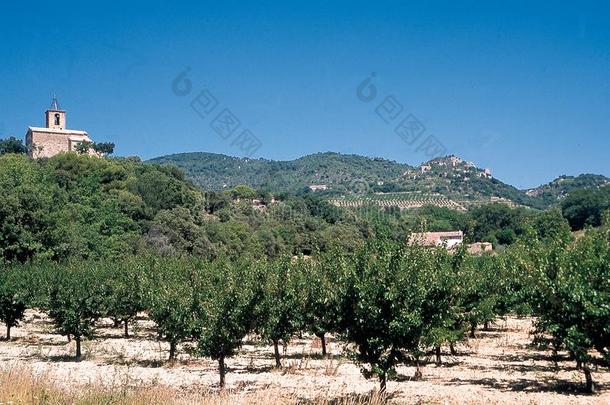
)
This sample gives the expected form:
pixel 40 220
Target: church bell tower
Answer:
pixel 56 117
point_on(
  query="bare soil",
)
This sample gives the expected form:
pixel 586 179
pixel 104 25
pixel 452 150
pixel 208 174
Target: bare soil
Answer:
pixel 499 366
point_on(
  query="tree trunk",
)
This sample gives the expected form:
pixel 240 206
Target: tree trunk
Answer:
pixel 418 374
pixel 323 341
pixel 382 382
pixel 116 322
pixel 589 379
pixel 473 329
pixel 486 326
pixel 222 371
pixel 8 332
pixel 452 349
pixel 78 351
pixel 276 352
pixel 126 328
pixel 172 350
pixel 438 355
pixel 555 357
pixel 69 338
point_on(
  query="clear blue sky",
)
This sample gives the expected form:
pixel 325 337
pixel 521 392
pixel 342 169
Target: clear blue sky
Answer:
pixel 522 89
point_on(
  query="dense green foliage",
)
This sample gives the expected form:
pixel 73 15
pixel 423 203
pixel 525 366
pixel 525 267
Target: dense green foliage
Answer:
pixel 81 207
pixel 559 188
pixel 73 206
pixel 348 175
pixel 12 145
pixel 586 207
pixel 391 303
pixel 348 172
pixel 77 300
pixel 568 286
pixel 85 238
pixel 13 299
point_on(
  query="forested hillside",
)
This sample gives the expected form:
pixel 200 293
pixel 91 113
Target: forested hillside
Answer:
pixel 342 173
pixel 74 206
pixel 337 175
pixel 559 188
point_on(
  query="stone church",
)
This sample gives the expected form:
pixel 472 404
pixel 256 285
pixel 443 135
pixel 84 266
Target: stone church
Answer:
pixel 54 138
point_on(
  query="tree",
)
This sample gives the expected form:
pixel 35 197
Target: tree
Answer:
pixel 170 300
pixel 125 291
pixel 551 225
pixel 25 209
pixel 13 299
pixel 383 308
pixel 586 207
pixel 481 290
pixel 570 292
pixel 497 223
pixel 82 148
pixel 321 309
pixel 243 191
pixel 226 299
pixel 443 308
pixel 280 312
pixel 76 300
pixel 12 145
pixel 103 148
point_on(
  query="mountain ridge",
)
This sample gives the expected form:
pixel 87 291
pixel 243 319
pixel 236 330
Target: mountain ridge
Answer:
pixel 335 174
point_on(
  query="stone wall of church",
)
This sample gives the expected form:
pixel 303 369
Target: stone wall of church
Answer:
pixel 51 144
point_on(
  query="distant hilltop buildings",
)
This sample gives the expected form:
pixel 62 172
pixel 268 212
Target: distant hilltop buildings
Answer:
pixel 455 164
pixel 55 138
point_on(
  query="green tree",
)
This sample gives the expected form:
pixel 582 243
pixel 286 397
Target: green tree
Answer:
pixel 77 300
pixel 12 145
pixel 551 225
pixel 243 191
pixel 321 311
pixel 443 308
pixel 82 148
pixel 570 292
pixel 384 308
pixel 481 288
pixel 126 291
pixel 13 299
pixel 169 298
pixel 497 223
pixel 227 299
pixel 586 207
pixel 280 312
pixel 103 148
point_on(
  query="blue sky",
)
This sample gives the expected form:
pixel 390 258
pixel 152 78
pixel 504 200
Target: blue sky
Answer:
pixel 523 89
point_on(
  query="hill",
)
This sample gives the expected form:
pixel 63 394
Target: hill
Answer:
pixel 337 172
pixel 71 206
pixel 336 175
pixel 557 189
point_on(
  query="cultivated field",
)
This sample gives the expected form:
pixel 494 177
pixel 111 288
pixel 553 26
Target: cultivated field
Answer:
pixel 499 366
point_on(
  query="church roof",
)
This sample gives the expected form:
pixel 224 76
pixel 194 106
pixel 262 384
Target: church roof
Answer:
pixel 58 131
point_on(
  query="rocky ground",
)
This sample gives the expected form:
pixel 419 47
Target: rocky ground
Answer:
pixel 499 366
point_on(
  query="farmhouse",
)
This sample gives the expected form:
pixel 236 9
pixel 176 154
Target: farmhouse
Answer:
pixel 431 239
pixel 449 240
pixel 54 138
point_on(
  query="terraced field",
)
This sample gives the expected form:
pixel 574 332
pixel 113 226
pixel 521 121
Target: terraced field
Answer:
pixel 399 200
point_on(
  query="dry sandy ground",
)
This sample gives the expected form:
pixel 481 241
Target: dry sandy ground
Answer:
pixel 499 366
